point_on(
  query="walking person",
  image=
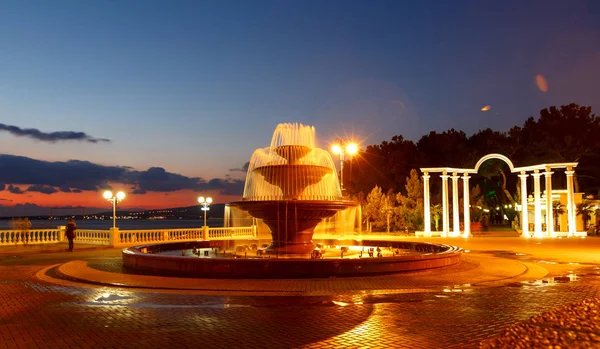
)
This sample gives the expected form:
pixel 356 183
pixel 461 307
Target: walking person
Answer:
pixel 71 226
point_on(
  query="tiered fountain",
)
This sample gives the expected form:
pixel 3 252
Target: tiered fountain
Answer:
pixel 292 186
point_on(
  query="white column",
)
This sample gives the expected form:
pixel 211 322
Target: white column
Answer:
pixel 571 202
pixel 426 205
pixel 455 210
pixel 466 205
pixel 538 204
pixel 549 213
pixel 524 211
pixel 445 211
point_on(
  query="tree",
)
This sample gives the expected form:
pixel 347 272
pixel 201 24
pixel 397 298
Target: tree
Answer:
pixel 565 134
pixel 490 169
pixel 449 148
pixel 386 165
pixel 476 202
pixel 376 207
pixel 585 209
pixel 410 207
pixel 557 210
pixel 489 141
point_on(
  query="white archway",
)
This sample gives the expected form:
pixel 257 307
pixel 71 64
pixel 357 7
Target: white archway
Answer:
pixel 537 172
pixel 494 156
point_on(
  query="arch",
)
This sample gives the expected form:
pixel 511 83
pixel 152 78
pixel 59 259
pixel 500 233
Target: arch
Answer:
pixel 494 156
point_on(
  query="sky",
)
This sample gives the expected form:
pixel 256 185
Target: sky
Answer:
pixel 167 100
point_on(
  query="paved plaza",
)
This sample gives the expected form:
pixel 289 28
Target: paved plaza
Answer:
pixel 505 286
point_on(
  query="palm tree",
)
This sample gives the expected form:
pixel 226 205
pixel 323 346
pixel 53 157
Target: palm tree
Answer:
pixel 557 210
pixel 584 209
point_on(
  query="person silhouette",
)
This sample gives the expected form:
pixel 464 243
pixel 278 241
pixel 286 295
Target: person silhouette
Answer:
pixel 71 226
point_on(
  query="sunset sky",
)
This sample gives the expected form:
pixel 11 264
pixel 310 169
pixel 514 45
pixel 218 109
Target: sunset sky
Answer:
pixel 167 100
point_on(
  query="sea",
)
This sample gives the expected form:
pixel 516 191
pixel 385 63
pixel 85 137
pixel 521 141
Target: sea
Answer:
pixel 126 224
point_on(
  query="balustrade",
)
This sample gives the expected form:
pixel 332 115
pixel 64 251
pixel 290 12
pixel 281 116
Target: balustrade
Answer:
pixel 126 237
pixel 92 237
pixel 33 236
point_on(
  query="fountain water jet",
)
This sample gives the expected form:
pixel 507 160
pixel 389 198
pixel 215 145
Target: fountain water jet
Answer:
pixel 292 186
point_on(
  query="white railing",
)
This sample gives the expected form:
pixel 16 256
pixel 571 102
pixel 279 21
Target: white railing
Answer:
pixel 231 232
pixel 33 236
pixel 156 235
pixel 92 237
pixel 124 237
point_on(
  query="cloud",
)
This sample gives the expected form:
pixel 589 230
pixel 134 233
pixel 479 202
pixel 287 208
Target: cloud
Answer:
pixel 233 187
pixel 73 174
pixel 44 189
pixel 76 176
pixel 242 169
pixel 50 137
pixel 157 179
pixel 14 190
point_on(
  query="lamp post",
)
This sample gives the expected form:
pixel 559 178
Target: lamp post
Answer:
pixel 342 147
pixel 108 195
pixel 205 202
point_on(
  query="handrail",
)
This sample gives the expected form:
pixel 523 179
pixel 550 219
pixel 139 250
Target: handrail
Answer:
pixel 125 237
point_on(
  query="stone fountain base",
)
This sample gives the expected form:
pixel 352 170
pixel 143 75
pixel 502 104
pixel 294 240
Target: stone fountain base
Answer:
pixel 292 222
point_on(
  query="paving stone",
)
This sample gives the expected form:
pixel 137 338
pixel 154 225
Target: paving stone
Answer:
pixel 420 310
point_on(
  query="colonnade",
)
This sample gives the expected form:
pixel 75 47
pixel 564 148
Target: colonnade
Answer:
pixel 445 204
pixel 538 220
pixel 535 171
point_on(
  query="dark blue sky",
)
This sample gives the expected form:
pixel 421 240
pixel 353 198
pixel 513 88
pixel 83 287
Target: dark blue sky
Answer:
pixel 211 80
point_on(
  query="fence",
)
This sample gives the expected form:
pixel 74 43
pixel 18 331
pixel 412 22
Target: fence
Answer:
pixel 117 238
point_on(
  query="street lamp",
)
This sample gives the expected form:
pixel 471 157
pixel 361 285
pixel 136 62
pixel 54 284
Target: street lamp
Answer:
pixel 108 195
pixel 205 203
pixel 342 147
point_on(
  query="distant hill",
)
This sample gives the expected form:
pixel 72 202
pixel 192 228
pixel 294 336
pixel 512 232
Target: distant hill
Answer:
pixel 40 212
pixel 188 212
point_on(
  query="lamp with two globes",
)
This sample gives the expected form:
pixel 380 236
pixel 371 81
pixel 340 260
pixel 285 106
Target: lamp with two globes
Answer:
pixel 108 195
pixel 205 202
pixel 342 147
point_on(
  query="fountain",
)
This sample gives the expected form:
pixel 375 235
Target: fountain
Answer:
pixel 292 186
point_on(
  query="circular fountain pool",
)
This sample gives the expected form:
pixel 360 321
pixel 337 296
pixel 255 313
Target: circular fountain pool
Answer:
pixel 335 258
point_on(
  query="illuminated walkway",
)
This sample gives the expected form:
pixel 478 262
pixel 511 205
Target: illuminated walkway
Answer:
pixel 502 281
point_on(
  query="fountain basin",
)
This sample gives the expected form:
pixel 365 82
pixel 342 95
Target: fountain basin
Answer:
pixel 292 222
pixel 144 259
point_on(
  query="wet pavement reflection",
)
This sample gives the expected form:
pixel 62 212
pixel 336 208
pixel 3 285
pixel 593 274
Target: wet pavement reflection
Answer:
pixel 457 315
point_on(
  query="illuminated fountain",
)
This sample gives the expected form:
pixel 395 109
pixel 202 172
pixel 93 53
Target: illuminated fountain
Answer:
pixel 292 186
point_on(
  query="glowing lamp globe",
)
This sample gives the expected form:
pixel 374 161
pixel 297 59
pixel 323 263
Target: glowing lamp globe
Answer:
pixel 108 194
pixel 120 195
pixel 352 148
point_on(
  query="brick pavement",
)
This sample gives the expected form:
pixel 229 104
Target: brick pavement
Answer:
pixel 37 313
